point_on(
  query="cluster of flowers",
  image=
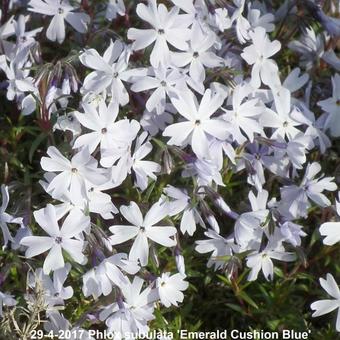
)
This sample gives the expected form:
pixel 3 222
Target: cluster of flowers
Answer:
pixel 250 121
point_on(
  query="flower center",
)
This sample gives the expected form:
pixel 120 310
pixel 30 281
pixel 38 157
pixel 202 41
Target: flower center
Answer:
pixel 58 240
pixel 163 83
pixel 195 55
pixel 104 130
pixel 285 124
pixel 161 31
pixel 142 229
pixel 60 10
pixel 197 122
pixel 115 75
pixel 74 170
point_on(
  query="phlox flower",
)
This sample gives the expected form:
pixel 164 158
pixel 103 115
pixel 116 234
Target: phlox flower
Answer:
pixel 331 229
pixel 170 288
pixel 101 121
pixel 143 229
pixel 164 81
pixel 332 107
pixel 322 307
pixel 199 55
pixel 263 261
pixel 6 300
pixel 102 278
pixel 54 291
pixel 244 116
pixel 62 11
pixel 6 218
pixel 168 27
pixel 296 198
pixel 132 311
pixel 110 70
pixel 258 55
pixel 64 238
pixel 115 8
pixel 73 174
pixel 181 202
pixel 198 125
pixel 218 246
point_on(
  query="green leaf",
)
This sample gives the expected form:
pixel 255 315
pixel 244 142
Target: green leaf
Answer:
pixel 36 144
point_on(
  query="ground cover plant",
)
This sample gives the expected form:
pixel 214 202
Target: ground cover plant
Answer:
pixel 168 165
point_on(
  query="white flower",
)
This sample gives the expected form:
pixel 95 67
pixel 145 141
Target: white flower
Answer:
pixel 167 27
pixel 7 30
pixel 163 80
pixel 199 125
pixel 296 197
pixel 332 106
pixel 244 116
pixel 101 121
pixel 331 229
pixel 6 218
pixel 198 55
pixel 292 233
pixel 143 229
pixel 73 174
pixel 54 291
pixel 258 54
pixel 59 239
pixel 263 261
pixel 218 245
pixel 102 278
pixel 6 300
pixel 181 201
pixel 132 311
pixel 170 288
pixel 110 70
pixel 61 10
pixel 322 307
pixel 24 38
pixel 114 8
pixel 285 120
